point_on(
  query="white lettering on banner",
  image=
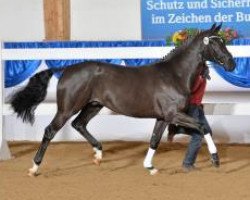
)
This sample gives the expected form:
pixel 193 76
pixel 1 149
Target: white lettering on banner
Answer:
pixel 230 3
pixel 192 18
pixel 223 18
pixel 172 18
pixel 158 19
pixel 196 13
pixel 197 4
pixel 242 17
pixel 162 5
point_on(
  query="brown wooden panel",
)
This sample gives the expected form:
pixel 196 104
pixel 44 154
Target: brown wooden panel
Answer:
pixel 57 19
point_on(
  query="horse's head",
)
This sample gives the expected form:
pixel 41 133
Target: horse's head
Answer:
pixel 214 48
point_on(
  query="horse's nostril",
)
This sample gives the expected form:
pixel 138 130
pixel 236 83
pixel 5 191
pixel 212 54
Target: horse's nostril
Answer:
pixel 232 61
pixel 232 65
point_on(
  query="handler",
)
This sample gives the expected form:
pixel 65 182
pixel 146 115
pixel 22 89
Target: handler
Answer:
pixel 195 110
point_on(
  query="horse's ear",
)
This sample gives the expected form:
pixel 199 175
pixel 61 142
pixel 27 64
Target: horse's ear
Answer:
pixel 216 29
pixel 213 27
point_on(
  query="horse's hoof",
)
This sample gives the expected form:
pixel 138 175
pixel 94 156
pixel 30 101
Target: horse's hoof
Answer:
pixel 97 156
pixel 97 161
pixel 152 170
pixel 32 173
pixel 215 160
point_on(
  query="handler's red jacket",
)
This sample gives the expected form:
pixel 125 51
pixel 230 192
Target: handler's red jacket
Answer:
pixel 198 90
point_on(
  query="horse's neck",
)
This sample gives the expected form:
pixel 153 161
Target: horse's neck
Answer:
pixel 189 67
pixel 192 71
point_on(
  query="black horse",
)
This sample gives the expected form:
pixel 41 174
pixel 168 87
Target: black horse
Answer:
pixel 159 90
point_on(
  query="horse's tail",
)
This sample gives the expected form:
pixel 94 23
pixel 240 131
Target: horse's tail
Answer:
pixel 25 101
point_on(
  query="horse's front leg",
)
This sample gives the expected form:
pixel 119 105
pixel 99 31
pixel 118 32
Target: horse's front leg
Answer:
pixel 159 128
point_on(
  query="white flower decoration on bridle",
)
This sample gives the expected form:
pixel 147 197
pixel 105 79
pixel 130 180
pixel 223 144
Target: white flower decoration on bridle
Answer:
pixel 207 39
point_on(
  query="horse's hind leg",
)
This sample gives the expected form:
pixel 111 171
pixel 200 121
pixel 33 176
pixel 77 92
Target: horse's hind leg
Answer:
pixel 159 129
pixel 80 124
pixel 50 131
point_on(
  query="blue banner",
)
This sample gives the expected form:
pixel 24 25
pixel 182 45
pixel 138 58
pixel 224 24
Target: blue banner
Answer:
pixel 161 18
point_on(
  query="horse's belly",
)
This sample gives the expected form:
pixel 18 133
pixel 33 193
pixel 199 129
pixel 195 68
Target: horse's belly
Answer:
pixel 136 109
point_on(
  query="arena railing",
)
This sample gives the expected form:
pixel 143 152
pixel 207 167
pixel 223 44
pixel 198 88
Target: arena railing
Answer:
pixel 81 53
pixel 97 53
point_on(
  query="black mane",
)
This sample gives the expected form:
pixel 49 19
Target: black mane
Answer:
pixel 178 49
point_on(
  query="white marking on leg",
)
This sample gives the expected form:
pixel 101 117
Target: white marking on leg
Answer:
pixel 98 156
pixel 148 159
pixel 98 153
pixel 211 146
pixel 148 162
pixel 33 171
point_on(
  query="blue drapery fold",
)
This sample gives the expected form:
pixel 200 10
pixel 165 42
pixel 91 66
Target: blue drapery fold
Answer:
pixel 241 75
pixel 18 71
pixel 82 44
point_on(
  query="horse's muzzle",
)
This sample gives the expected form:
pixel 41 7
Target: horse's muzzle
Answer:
pixel 231 64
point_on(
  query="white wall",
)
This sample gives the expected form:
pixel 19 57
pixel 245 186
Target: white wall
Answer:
pixel 22 20
pixel 226 129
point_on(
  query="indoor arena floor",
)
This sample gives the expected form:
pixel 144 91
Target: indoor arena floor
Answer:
pixel 68 172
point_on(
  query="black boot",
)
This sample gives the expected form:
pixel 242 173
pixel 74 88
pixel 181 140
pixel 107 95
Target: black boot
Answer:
pixel 215 160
